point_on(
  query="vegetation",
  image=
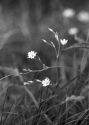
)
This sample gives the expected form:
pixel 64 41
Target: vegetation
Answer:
pixel 46 95
pixel 47 84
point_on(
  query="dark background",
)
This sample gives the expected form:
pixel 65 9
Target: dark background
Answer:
pixel 30 20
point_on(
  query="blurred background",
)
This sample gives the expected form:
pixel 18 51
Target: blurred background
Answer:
pixel 24 23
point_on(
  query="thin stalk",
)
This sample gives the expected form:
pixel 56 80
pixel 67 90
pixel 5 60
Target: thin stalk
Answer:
pixel 58 59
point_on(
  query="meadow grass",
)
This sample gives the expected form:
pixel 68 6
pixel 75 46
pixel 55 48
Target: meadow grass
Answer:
pixel 50 95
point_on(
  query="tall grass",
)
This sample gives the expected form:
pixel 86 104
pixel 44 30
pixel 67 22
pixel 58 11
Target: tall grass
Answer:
pixel 31 97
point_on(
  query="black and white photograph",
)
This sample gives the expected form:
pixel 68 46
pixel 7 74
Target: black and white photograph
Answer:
pixel 44 62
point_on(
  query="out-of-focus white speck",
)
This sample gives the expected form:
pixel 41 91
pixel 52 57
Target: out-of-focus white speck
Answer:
pixel 73 31
pixel 83 16
pixel 68 13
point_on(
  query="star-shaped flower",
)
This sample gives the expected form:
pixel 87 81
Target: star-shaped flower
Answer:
pixel 32 54
pixel 46 81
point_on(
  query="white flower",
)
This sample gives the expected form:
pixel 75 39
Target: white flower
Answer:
pixel 46 81
pixel 32 54
pixel 73 31
pixel 63 41
pixel 83 16
pixel 68 13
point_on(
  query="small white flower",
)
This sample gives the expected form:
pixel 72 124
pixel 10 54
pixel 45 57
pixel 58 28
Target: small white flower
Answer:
pixel 63 41
pixel 68 13
pixel 73 31
pixel 32 54
pixel 46 81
